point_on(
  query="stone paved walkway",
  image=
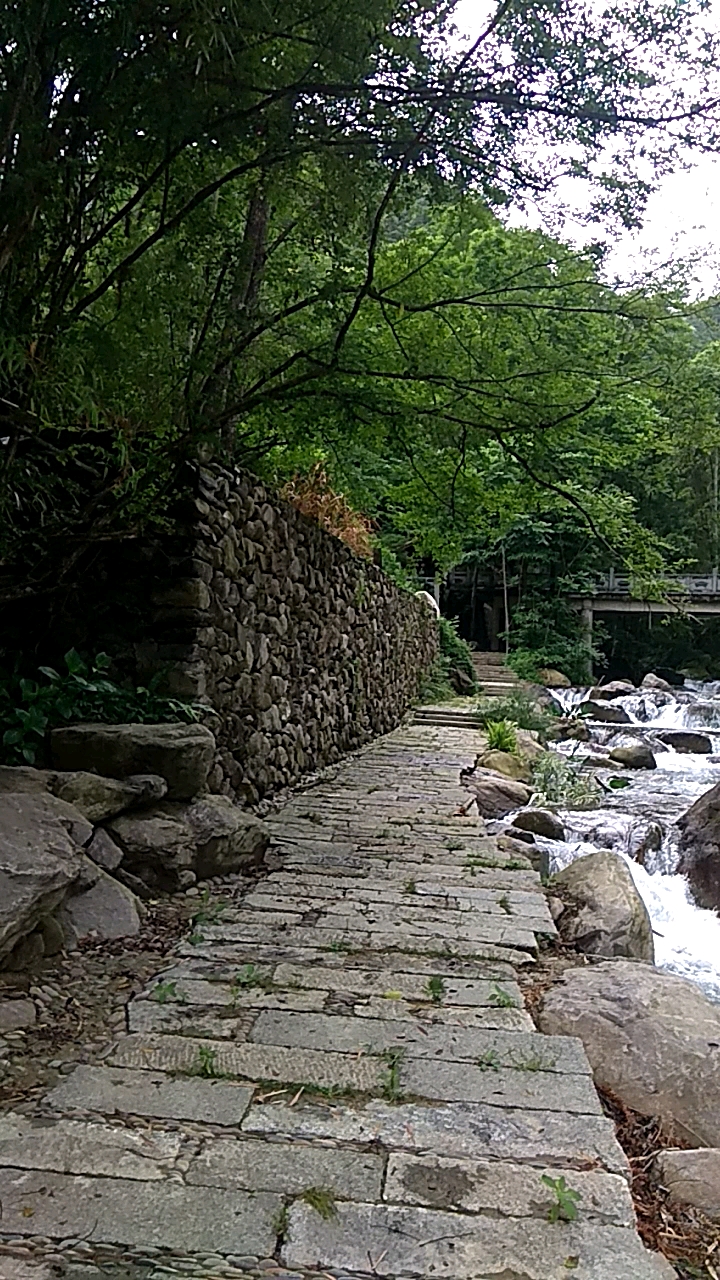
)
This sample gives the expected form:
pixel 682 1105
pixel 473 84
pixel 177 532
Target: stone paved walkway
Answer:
pixel 337 1077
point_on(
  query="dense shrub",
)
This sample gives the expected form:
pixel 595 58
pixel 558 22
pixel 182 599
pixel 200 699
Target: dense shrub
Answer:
pixel 30 708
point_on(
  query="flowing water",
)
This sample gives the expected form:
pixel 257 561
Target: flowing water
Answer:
pixel 638 821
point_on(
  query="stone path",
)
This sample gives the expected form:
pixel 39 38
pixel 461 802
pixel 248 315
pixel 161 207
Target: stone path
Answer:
pixel 337 1077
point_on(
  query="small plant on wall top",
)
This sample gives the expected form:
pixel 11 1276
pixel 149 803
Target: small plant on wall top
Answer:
pixel 84 692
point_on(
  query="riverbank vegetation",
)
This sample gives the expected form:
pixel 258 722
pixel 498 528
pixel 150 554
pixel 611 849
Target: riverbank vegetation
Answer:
pixel 279 236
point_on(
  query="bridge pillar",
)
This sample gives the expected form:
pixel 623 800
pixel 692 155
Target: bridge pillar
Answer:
pixel 586 632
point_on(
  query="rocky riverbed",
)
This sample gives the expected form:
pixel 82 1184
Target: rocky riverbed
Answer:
pixel 642 820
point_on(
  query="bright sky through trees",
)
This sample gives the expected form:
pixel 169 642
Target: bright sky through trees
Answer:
pixel 682 219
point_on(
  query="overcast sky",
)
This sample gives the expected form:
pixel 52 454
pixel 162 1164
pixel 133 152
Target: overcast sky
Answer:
pixel 682 218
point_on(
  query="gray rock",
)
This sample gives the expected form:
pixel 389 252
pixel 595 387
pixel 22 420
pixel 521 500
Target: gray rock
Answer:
pixel 39 861
pixel 606 915
pixel 601 711
pixel 107 910
pixel 699 831
pixel 209 837
pixel 180 753
pixel 496 795
pixel 99 798
pixel 103 850
pixel 227 838
pixel 552 679
pixel 651 681
pixel 691 1177
pixel 653 1040
pixel 16 1014
pixel 22 777
pixel 613 689
pixel 637 756
pixel 505 763
pixel 687 742
pixel 542 822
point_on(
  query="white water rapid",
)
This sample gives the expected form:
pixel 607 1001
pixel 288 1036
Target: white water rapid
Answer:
pixel 638 821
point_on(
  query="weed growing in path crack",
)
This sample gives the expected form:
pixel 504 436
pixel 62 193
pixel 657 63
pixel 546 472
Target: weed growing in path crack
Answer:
pixel 341 944
pixel 435 988
pixel 391 1082
pixel 564 1209
pixel 209 912
pixel 206 1064
pixel 246 977
pixel 502 999
pixel 322 1200
pixel 504 904
pixel 489 1061
pixel 409 887
pixel 281 1222
pixel 196 938
pixel 164 991
pixel 532 1062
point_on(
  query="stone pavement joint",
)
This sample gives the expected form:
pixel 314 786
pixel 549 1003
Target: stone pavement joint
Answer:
pixel 341 1078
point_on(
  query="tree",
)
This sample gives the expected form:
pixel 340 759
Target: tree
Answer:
pixel 196 197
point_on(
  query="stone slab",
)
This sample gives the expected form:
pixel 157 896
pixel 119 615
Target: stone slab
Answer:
pixel 71 1146
pixel 526 1050
pixel 145 1093
pixel 120 1211
pixel 412 986
pixel 252 1062
pixel 391 1241
pixel 488 929
pixel 289 1168
pixel 503 1188
pixel 452 1129
pixel 464 1082
pixel 440 1015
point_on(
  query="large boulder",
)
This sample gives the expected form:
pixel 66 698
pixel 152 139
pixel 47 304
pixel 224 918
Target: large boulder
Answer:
pixel 496 795
pixel 699 830
pixel 613 689
pixel 541 822
pixel 604 712
pixel 170 845
pixel 636 756
pixel 552 679
pixel 652 1039
pixel 99 798
pixel 106 910
pixel 605 915
pixel 651 681
pixel 528 745
pixel 691 1178
pixel 504 762
pixel 40 857
pixel 180 753
pixel 690 743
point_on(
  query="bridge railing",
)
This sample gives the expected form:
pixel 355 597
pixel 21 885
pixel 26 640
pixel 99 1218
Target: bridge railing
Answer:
pixel 691 584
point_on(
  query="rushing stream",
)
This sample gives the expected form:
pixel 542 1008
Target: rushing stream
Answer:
pixel 638 821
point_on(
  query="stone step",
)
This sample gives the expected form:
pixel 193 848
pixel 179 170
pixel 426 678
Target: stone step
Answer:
pixel 392 1240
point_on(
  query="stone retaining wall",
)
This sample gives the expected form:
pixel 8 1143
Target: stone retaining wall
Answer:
pixel 304 650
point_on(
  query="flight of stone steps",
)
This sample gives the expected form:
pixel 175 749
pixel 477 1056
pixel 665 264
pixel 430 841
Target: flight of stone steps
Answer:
pixel 494 678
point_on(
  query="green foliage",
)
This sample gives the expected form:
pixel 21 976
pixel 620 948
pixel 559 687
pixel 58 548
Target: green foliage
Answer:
pixel 391 1084
pixel 501 736
pixel 206 1063
pixel 454 648
pixel 564 1208
pixel 502 999
pixel 30 708
pixel 559 782
pixel 546 633
pixel 435 988
pixel 163 992
pixel 435 685
pixel 517 708
pixel 322 1200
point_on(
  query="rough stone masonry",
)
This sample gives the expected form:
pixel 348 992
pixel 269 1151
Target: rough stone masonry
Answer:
pixel 336 1077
